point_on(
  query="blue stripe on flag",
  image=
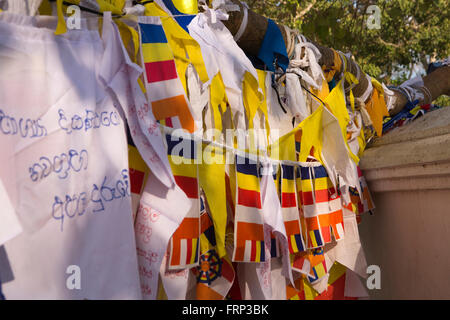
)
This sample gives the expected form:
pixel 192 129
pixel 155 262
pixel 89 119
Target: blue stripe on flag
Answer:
pixel 152 33
pixel 246 166
pixel 318 238
pixel 183 21
pixel 319 172
pixel 273 247
pixel 298 241
pixel 263 252
pixel 288 172
pixel 196 250
pixel 186 150
pixel 173 10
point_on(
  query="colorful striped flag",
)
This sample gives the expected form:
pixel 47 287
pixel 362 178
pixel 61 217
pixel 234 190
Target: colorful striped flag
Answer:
pixel 335 289
pixel 366 198
pixel 311 263
pixel 215 275
pixel 248 232
pixel 207 234
pixel 318 264
pixel 320 204
pixel 163 86
pixel 360 203
pixel 289 208
pixel 184 244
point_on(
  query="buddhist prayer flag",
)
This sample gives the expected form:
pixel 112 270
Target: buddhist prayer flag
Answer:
pixel 163 86
pixel 360 203
pixel 215 275
pixel 318 265
pixel 334 291
pixel 366 198
pixel 321 205
pixel 289 208
pixel 249 232
pixel 207 234
pixel 185 245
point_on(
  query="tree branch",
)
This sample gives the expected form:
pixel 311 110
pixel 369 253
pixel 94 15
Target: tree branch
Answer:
pixel 302 13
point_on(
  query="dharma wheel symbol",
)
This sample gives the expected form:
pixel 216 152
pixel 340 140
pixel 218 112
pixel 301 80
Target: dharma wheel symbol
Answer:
pixel 210 267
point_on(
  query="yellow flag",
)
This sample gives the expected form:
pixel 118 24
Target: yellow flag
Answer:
pixel 311 137
pixel 211 175
pixel 218 100
pixel 251 98
pixel 185 50
pixel 377 110
pixel 263 106
pixel 336 104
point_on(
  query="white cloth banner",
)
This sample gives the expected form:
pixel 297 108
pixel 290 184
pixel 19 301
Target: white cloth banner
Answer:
pixel 161 212
pixel 71 165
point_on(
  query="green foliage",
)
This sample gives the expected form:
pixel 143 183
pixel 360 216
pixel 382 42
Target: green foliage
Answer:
pixel 412 31
pixel 442 101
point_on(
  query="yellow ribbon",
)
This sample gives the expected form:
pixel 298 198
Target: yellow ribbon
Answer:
pixel 218 100
pixel 336 104
pixel 263 106
pixel 211 175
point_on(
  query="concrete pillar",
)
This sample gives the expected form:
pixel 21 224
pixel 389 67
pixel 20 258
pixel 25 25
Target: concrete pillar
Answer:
pixel 408 173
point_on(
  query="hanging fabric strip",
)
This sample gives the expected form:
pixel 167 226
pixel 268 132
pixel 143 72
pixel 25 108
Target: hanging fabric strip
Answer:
pixel 164 89
pixel 248 231
pixel 185 49
pixel 215 275
pixel 321 205
pixel 183 154
pixel 213 182
pixel 336 104
pixel 221 53
pixel 244 23
pixel 289 207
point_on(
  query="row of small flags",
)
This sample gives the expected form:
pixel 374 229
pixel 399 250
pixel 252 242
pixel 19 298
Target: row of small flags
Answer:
pixel 311 206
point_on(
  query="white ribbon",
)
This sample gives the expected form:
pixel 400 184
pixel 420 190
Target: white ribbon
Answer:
pixel 369 89
pixel 244 23
pixel 310 60
pixel 137 10
pixel 219 11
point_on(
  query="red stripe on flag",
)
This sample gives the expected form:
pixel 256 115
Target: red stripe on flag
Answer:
pixel 160 71
pixel 320 195
pixel 136 181
pixel 299 262
pixel 326 234
pixel 249 198
pixel 188 251
pixel 169 123
pixel 176 253
pixel 292 227
pixel 253 252
pixel 288 200
pixel 239 251
pixel 205 222
pixel 290 244
pixel 188 185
